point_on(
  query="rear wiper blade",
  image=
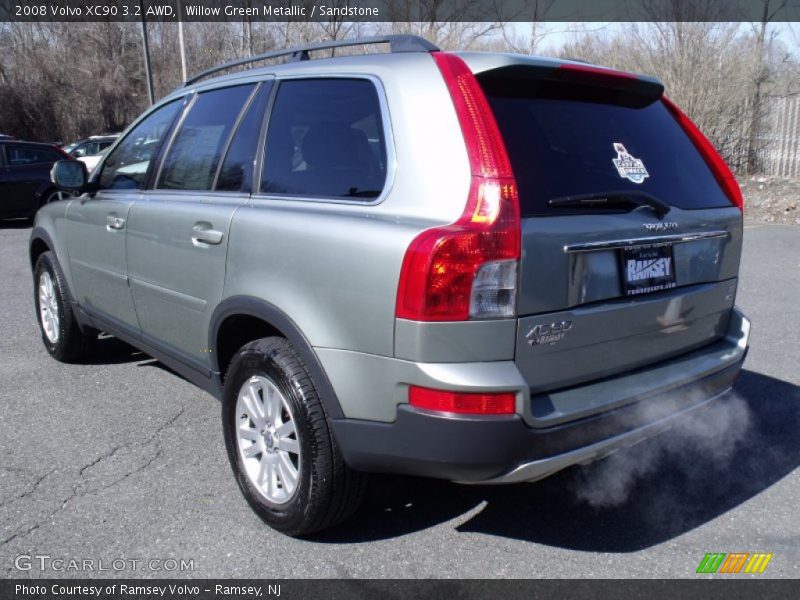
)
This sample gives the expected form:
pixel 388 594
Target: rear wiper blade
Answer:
pixel 611 198
pixel 358 193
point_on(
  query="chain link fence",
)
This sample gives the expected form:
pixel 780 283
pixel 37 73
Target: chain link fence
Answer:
pixel 776 148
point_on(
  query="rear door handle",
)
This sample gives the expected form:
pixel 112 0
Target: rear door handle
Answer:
pixel 114 222
pixel 203 234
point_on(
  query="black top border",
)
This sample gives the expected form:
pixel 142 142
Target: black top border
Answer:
pixel 554 11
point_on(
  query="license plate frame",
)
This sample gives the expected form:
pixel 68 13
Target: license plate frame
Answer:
pixel 647 268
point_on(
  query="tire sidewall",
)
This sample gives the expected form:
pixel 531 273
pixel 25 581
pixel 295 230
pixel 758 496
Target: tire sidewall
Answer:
pixel 284 517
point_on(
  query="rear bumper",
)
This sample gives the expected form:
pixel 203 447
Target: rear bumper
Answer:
pixel 505 449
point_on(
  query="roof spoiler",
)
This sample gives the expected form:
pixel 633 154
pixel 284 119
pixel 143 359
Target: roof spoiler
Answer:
pixel 597 82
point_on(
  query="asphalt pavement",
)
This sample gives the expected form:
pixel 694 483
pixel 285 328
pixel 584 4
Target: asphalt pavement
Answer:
pixel 120 460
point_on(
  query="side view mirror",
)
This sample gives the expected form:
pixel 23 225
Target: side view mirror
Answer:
pixel 69 175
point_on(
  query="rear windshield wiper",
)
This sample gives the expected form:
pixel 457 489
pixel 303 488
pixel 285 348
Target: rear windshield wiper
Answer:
pixel 614 198
pixel 359 193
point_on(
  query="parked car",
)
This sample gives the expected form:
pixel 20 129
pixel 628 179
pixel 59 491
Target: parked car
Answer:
pixel 25 183
pixel 90 146
pixel 90 150
pixel 478 267
pixel 91 162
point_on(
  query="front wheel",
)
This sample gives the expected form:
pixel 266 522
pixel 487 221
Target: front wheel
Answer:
pixel 283 455
pixel 61 333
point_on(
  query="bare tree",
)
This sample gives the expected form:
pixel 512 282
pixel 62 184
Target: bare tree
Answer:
pixel 760 76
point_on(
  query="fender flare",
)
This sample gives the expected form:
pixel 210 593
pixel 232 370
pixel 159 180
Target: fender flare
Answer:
pixel 261 309
pixel 39 233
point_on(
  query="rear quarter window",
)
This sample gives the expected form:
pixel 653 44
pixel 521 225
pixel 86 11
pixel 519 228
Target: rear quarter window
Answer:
pixel 326 140
pixel 565 145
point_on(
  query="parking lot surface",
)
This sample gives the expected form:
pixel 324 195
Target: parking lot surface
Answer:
pixel 122 459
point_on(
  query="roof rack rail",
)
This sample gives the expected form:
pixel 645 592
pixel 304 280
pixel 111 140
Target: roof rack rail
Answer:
pixel 397 43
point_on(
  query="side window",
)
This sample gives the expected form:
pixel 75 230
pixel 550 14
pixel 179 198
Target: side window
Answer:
pixel 196 150
pixel 85 150
pixel 29 155
pixel 236 174
pixel 325 139
pixel 126 167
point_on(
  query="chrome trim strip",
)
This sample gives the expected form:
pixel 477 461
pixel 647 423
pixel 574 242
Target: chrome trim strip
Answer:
pixel 643 241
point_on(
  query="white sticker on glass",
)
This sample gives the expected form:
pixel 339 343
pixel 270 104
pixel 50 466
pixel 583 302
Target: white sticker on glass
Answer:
pixel 629 167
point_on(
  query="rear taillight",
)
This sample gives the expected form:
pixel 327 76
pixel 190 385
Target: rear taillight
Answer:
pixel 491 403
pixel 715 162
pixel 468 269
pixel 63 154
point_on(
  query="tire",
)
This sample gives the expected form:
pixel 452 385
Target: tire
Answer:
pixel 264 442
pixel 61 334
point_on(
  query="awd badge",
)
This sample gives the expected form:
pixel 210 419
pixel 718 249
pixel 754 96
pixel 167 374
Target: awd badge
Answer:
pixel 629 167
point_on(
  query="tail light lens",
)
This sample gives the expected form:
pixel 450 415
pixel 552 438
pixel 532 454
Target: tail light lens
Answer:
pixel 63 154
pixel 721 172
pixel 468 269
pixel 494 403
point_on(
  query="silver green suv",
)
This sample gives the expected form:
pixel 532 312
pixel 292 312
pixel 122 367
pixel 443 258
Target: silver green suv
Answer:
pixel 477 267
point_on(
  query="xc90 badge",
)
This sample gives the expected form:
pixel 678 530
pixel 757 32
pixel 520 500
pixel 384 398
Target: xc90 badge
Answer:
pixel 548 333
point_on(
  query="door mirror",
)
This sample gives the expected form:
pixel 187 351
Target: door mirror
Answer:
pixel 69 175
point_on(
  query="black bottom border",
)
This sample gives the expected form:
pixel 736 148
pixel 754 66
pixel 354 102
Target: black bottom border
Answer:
pixel 388 589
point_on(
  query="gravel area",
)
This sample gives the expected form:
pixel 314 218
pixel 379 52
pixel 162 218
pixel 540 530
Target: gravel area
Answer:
pixel 771 200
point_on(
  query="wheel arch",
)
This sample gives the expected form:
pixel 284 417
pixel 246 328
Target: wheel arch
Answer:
pixel 39 244
pixel 241 319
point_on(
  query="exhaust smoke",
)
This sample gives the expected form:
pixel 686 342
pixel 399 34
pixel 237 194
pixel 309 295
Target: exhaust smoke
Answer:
pixel 696 444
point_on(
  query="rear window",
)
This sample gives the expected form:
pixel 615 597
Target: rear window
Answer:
pixel 564 144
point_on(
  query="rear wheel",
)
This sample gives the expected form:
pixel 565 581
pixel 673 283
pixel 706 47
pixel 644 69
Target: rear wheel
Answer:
pixel 284 457
pixel 61 334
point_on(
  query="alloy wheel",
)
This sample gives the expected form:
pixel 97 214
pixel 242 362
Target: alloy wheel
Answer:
pixel 48 308
pixel 267 439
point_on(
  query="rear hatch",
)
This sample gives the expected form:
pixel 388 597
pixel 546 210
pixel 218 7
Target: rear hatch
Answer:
pixel 630 246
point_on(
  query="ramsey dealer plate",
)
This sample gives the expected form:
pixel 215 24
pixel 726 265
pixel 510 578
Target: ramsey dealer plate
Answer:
pixel 647 269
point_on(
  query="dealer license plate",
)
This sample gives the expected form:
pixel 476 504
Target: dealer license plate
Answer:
pixel 647 269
